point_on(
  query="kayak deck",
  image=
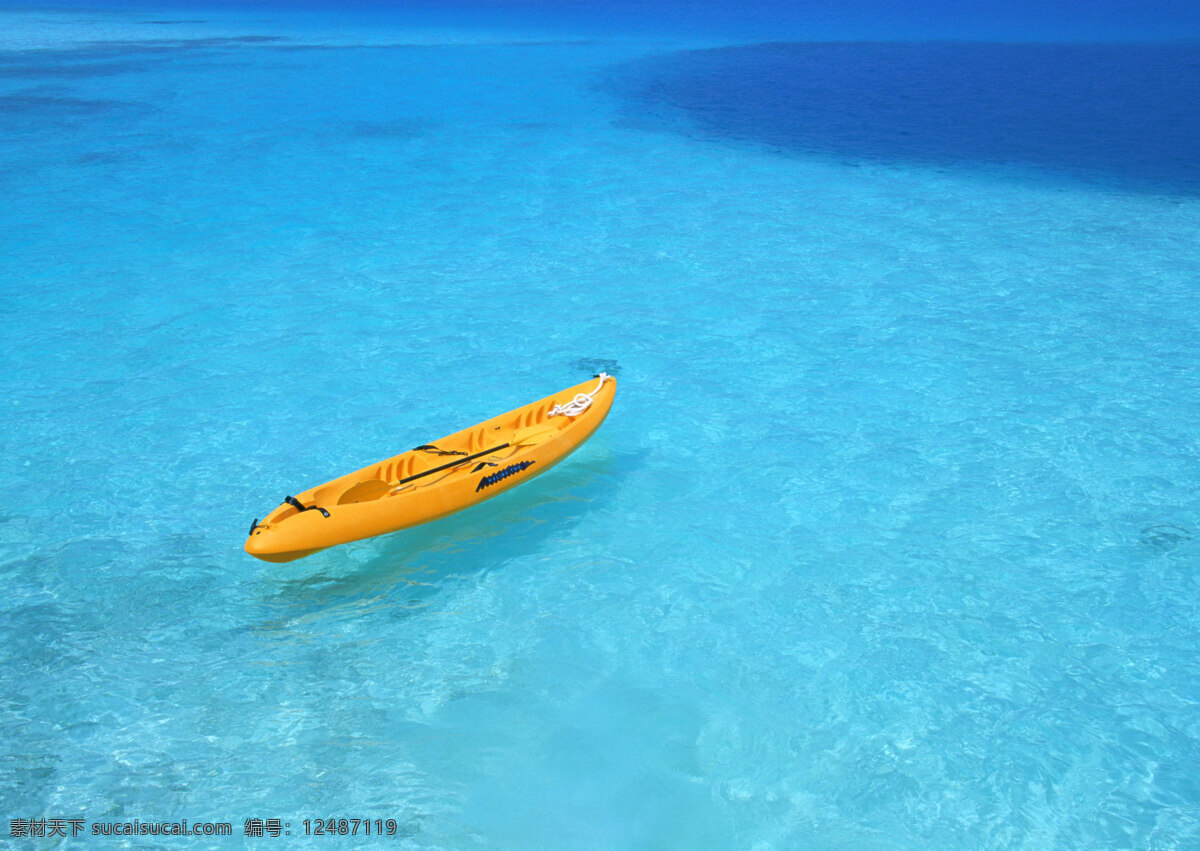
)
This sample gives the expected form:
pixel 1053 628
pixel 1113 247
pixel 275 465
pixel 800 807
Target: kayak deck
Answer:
pixel 434 479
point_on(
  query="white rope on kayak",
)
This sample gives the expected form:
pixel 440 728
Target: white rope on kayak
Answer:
pixel 580 403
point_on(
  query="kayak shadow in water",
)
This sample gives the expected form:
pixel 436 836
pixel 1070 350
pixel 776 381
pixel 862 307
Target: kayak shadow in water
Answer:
pixel 408 568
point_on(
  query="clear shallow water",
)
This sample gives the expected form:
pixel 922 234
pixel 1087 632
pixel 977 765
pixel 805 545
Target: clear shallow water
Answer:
pixel 890 540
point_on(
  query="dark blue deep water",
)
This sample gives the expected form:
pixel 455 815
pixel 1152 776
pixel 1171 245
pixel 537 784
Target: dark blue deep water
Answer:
pixel 745 20
pixel 1120 113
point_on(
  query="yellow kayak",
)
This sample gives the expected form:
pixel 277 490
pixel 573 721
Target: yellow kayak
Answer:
pixel 437 478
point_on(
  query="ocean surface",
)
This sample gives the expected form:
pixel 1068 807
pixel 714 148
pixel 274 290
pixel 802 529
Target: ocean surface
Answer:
pixel 892 537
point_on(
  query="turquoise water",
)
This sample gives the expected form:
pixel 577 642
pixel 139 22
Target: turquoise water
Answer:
pixel 890 540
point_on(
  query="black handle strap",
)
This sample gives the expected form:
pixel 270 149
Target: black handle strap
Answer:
pixel 295 503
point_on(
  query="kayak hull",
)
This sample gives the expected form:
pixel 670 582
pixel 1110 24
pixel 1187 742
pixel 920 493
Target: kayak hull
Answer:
pixel 437 479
